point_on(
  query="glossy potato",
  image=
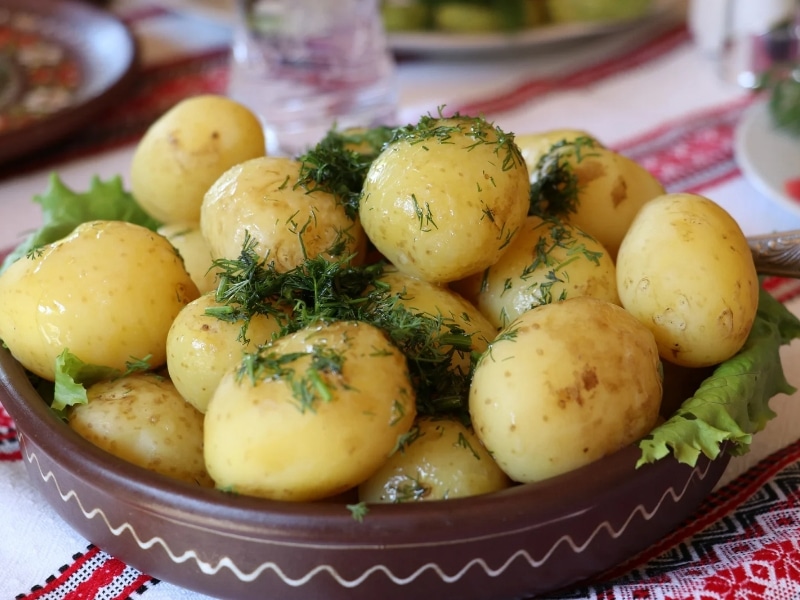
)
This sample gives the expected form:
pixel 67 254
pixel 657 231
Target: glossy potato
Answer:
pixel 533 146
pixel 201 348
pixel 141 418
pixel 611 188
pixel 564 385
pixel 108 293
pixel 419 296
pixel 190 243
pixel 444 200
pixel 259 197
pixel 686 271
pixel 187 149
pixel 441 459
pixel 322 411
pixel 549 260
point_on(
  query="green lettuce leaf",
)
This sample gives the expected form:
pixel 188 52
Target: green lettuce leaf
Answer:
pixel 64 209
pixel 733 402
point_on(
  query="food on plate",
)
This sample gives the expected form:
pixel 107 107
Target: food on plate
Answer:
pixel 107 292
pixel 549 260
pixel 185 151
pixel 262 199
pixel 441 458
pixel 190 243
pixel 564 385
pixel 316 358
pixel 141 418
pixel 594 188
pixel 572 11
pixel 445 197
pixel 686 271
pixel 309 415
pixel 208 338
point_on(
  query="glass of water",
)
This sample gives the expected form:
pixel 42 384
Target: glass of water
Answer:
pixel 305 66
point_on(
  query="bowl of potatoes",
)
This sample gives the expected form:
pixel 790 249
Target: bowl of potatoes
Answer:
pixel 408 361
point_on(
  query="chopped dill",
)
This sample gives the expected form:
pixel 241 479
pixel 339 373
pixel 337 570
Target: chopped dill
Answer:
pixel 358 511
pixel 554 184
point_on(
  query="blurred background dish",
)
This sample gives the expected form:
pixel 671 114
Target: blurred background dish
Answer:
pixel 769 157
pixel 61 62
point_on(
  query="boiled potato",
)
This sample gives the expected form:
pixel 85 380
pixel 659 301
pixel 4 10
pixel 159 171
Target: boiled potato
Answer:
pixel 549 260
pixel 686 271
pixel 190 243
pixel 108 293
pixel 611 188
pixel 201 348
pixel 564 385
pixel 444 200
pixel 535 145
pixel 141 418
pixel 187 149
pixel 259 197
pixel 311 415
pixel 419 296
pixel 442 459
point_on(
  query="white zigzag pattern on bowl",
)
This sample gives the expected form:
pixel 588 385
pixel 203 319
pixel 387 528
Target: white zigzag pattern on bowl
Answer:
pixel 210 569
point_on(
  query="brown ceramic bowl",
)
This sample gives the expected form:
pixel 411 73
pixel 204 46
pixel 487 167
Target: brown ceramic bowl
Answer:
pixel 529 539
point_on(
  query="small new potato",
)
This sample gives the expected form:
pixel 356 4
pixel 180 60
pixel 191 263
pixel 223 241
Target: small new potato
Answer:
pixel 611 188
pixel 686 271
pixel 201 348
pixel 564 385
pixel 311 415
pixel 289 223
pixel 189 241
pixel 419 296
pixel 442 459
pixel 187 149
pixel 108 293
pixel 445 199
pixel 549 260
pixel 535 145
pixel 141 418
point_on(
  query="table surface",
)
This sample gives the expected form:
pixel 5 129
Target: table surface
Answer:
pixel 648 92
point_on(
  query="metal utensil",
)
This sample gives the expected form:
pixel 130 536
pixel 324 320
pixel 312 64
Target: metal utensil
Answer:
pixel 777 253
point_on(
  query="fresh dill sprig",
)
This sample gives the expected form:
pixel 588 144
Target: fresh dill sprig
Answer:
pixel 323 290
pixel 554 183
pixel 339 163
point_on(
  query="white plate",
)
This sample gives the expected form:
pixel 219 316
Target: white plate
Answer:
pixel 767 156
pixel 438 43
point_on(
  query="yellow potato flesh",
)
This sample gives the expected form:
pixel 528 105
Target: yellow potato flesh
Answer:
pixel 443 209
pixel 547 261
pixel 261 440
pixel 564 385
pixel 142 419
pixel 107 293
pixel 201 348
pixel 443 459
pixel 186 150
pixel 686 271
pixel 289 223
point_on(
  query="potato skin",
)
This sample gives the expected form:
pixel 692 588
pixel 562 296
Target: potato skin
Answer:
pixel 260 442
pixel 201 348
pixel 108 292
pixel 686 271
pixel 535 145
pixel 259 197
pixel 190 243
pixel 549 260
pixel 564 385
pixel 442 209
pixel 443 459
pixel 141 418
pixel 187 149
